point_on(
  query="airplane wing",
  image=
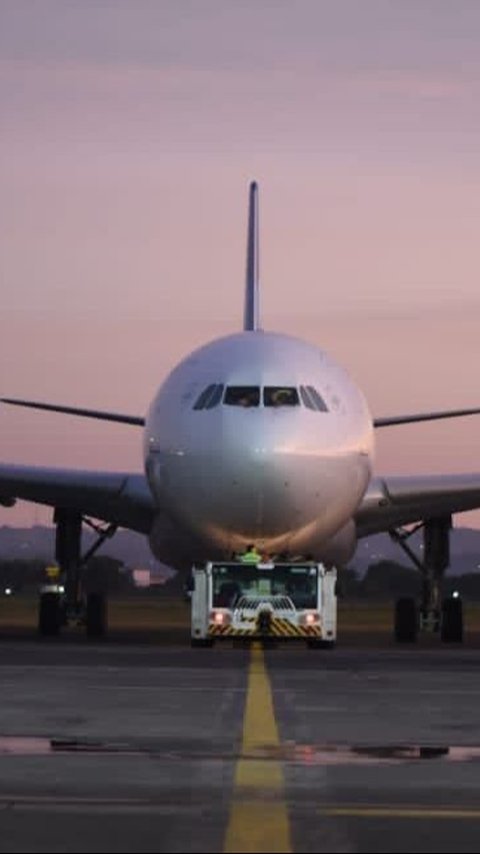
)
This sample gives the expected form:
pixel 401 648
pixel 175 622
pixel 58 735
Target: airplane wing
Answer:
pixel 121 498
pixel 393 501
pixel 393 420
pixel 100 414
pixel 139 421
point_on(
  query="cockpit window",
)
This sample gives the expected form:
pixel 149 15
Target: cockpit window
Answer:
pixel 215 397
pixel 307 400
pixel 201 401
pixel 319 401
pixel 272 395
pixel 312 399
pixel 277 395
pixel 242 395
pixel 210 397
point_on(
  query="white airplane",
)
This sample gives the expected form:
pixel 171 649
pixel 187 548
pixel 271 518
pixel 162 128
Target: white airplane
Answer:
pixel 256 437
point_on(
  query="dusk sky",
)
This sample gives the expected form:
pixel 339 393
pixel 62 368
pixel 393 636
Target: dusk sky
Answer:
pixel 129 133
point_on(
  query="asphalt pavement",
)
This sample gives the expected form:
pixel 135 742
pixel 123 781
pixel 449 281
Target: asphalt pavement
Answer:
pixel 139 747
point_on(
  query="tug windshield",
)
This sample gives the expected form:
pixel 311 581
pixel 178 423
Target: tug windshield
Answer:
pixel 231 581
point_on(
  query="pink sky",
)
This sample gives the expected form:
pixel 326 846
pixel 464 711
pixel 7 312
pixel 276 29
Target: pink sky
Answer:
pixel 129 133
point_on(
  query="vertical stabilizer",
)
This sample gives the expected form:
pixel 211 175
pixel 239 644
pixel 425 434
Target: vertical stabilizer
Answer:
pixel 251 310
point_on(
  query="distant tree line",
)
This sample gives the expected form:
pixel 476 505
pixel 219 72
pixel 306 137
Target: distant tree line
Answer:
pixel 383 580
pixel 100 574
pixel 387 579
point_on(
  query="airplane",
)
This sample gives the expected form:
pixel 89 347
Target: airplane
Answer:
pixel 255 437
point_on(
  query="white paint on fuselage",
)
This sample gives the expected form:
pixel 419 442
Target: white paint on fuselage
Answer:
pixel 287 479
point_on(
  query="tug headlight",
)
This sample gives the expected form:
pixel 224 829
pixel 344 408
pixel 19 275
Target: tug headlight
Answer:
pixel 220 618
pixel 310 618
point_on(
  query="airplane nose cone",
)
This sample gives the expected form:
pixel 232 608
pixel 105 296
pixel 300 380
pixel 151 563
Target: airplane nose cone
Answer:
pixel 271 487
pixel 267 489
pixel 257 481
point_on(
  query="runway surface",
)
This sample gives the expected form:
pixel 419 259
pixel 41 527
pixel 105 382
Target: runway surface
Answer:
pixel 121 747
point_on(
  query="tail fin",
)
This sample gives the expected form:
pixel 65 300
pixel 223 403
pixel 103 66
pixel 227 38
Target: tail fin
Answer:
pixel 251 309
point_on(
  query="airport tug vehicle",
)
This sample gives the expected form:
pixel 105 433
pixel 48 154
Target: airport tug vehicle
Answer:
pixel 277 601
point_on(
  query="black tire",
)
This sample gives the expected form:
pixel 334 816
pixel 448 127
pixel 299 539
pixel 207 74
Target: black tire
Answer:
pixel 96 615
pixel 406 620
pixel 315 643
pixel 49 615
pixel 452 621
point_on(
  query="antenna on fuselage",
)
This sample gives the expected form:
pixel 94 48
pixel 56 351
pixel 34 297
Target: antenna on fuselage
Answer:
pixel 251 309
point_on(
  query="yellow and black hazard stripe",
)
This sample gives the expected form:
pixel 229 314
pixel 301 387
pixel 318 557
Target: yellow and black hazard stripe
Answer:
pixel 228 631
pixel 281 626
pixel 278 627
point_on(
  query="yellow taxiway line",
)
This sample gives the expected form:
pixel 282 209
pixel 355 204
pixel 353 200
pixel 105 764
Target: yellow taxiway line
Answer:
pixel 258 817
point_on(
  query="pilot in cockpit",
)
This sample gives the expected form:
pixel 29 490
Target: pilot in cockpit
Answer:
pixel 281 397
pixel 248 398
pixel 245 400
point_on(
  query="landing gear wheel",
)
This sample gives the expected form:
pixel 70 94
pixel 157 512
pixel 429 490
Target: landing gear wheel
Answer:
pixel 202 642
pixel 49 615
pixel 405 622
pixel 452 621
pixel 96 615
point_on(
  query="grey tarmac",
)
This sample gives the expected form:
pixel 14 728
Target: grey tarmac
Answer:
pixel 131 747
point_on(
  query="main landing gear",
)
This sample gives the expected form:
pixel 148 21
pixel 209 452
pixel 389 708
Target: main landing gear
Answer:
pixel 433 614
pixel 65 602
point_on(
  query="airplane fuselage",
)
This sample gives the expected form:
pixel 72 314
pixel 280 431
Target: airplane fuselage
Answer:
pixel 256 437
pixel 285 477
